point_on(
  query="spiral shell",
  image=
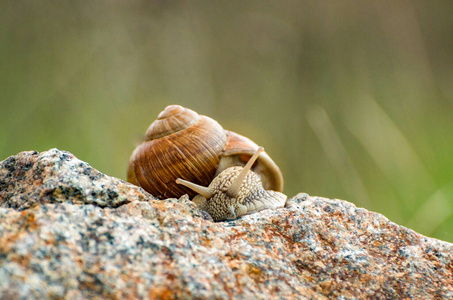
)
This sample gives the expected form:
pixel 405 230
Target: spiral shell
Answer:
pixel 183 144
pixel 180 143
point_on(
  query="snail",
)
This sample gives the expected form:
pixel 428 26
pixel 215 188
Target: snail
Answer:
pixel 235 192
pixel 180 143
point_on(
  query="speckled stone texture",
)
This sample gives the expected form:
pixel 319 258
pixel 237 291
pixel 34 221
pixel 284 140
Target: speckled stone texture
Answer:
pixel 68 231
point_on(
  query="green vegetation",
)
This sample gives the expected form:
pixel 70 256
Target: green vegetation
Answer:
pixel 353 100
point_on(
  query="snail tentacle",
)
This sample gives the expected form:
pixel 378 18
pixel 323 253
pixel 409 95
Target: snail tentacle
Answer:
pixel 234 189
pixel 204 191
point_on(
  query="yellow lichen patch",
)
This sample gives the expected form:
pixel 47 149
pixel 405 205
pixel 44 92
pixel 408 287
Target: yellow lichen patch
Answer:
pixel 255 272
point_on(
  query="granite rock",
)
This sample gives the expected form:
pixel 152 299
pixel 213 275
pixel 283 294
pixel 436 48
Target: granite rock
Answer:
pixel 69 231
pixel 54 176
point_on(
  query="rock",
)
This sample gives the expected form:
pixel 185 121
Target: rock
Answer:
pixel 54 176
pixel 69 231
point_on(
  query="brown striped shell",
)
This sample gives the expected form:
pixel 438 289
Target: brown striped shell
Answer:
pixel 183 144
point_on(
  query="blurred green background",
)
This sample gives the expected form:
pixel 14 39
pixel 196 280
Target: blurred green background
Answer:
pixel 353 99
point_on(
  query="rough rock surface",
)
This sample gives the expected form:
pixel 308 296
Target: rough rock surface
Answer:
pixel 68 231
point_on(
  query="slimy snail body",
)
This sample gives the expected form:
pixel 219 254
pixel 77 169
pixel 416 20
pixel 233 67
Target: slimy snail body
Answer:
pixel 235 192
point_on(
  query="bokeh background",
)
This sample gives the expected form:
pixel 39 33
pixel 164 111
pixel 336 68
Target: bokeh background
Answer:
pixel 353 99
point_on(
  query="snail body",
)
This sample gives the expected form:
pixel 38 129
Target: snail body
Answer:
pixel 183 144
pixel 235 192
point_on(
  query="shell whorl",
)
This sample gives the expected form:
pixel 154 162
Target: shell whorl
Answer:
pixel 172 119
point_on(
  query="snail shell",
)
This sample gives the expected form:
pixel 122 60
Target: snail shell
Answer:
pixel 235 192
pixel 183 144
